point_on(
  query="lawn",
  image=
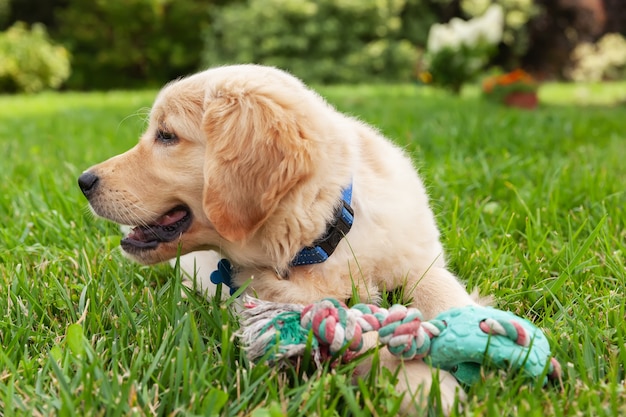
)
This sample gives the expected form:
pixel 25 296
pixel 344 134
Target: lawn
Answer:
pixel 530 203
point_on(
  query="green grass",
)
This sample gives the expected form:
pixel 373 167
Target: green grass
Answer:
pixel 531 207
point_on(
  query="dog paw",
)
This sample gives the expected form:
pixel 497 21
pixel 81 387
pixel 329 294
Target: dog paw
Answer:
pixel 450 392
pixel 419 382
pixel 197 268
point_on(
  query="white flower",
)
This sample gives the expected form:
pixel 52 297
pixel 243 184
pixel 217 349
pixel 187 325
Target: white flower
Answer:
pixel 440 37
pixel 492 24
pixel 486 28
pixel 472 43
pixel 604 59
pixel 474 33
pixel 465 32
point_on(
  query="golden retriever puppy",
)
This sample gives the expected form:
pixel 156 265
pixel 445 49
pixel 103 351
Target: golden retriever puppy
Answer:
pixel 304 201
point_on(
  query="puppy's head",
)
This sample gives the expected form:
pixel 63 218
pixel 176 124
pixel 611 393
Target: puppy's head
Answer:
pixel 221 150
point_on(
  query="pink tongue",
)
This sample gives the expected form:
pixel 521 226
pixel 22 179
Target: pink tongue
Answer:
pixel 171 218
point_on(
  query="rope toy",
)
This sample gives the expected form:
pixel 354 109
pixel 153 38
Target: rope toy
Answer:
pixel 459 340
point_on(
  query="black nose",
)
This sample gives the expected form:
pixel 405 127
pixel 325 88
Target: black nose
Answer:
pixel 88 183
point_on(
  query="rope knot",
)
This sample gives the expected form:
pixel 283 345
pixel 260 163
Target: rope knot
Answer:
pixel 334 325
pixel 339 327
pixel 507 328
pixel 403 333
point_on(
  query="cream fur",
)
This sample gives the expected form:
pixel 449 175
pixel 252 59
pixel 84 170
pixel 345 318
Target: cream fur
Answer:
pixel 261 162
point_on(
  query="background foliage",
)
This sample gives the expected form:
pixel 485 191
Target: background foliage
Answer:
pixel 29 61
pixel 129 43
pixel 325 41
pixel 604 60
pixel 147 41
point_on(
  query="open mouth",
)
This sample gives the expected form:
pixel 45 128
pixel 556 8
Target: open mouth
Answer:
pixel 166 228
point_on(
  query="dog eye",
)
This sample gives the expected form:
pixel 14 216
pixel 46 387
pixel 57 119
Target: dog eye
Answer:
pixel 167 138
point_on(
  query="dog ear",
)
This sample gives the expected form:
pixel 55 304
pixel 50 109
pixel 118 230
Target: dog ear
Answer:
pixel 256 152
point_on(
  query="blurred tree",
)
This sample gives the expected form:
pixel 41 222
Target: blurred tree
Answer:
pixel 557 29
pixel 33 11
pixel 5 10
pixel 418 15
pixel 615 16
pixel 325 40
pixel 129 43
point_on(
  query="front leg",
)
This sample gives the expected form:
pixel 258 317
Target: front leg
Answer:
pixel 436 290
pixel 414 380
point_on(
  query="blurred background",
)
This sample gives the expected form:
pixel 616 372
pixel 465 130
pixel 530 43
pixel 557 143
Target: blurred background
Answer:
pixel 121 44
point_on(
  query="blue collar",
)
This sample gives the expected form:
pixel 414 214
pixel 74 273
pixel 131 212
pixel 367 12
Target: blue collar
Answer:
pixel 318 252
pixel 323 247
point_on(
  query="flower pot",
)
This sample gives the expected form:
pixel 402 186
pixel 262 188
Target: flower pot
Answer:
pixel 522 99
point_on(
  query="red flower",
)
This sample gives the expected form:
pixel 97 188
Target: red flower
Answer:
pixel 518 76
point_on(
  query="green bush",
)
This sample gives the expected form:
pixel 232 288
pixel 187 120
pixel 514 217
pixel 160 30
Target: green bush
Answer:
pixel 130 43
pixel 29 61
pixel 325 41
